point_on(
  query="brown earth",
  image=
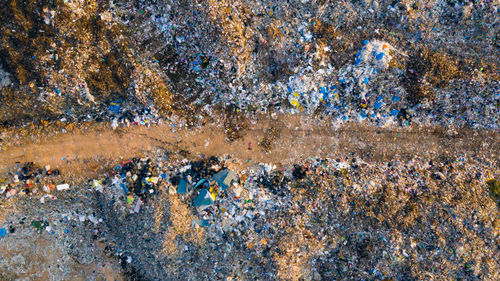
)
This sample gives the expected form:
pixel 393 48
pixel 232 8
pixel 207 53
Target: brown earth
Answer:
pixel 81 153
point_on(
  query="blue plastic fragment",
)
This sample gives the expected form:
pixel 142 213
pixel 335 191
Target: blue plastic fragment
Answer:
pixel 204 199
pixel 377 105
pixel 115 108
pixel 204 223
pixel 3 232
pixel 394 112
pixel 182 188
pixel 395 98
pixel 380 56
pixel 202 181
pixel 124 187
pixel 225 178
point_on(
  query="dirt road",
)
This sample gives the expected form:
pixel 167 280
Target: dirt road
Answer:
pixel 293 138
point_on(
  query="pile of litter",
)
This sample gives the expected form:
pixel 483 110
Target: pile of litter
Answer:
pixel 29 178
pixel 320 219
pixel 165 216
pixel 386 63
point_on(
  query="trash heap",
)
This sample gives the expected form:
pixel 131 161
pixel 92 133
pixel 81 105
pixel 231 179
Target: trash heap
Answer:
pixel 162 215
pixel 386 63
pixel 319 219
pixel 308 57
pixel 175 215
pixel 30 179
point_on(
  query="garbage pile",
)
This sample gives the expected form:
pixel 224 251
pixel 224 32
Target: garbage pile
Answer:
pixel 386 62
pixel 30 179
pixel 69 60
pixel 47 226
pixel 319 219
pixel 309 57
pixel 161 215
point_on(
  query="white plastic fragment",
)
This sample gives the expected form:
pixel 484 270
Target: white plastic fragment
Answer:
pixel 97 185
pixel 11 193
pixel 137 207
pixel 93 219
pixel 114 124
pixel 63 186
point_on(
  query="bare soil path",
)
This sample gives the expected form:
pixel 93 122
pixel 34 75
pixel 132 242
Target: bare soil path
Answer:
pixel 291 138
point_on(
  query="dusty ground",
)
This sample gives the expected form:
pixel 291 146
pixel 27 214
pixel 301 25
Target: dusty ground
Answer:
pixel 80 153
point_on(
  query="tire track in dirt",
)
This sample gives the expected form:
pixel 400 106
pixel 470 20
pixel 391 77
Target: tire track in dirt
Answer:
pixel 299 138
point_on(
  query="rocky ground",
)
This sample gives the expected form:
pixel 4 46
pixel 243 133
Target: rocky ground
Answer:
pixel 363 137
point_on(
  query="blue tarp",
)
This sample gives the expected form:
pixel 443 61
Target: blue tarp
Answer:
pixel 220 176
pixel 204 199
